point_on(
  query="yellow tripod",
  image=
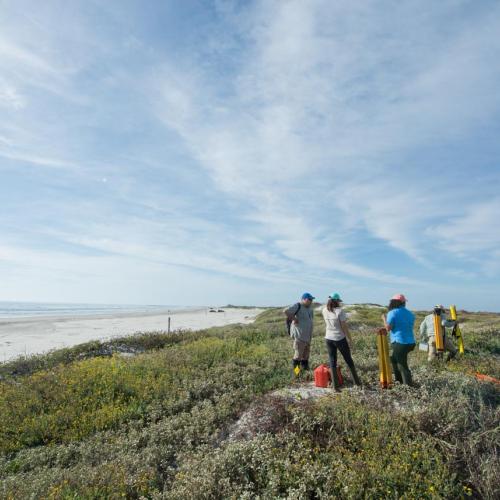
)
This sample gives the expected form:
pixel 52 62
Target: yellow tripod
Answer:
pixel 438 334
pixel 384 362
pixel 456 330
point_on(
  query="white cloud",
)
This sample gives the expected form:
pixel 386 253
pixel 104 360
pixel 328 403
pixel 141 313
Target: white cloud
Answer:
pixel 5 140
pixel 10 97
pixel 317 98
pixel 474 236
pixel 37 160
pixel 313 124
pixel 23 58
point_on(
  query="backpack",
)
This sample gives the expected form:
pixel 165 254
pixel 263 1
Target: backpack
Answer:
pixel 289 321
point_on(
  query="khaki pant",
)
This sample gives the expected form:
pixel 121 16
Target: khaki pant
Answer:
pixel 448 347
pixel 301 350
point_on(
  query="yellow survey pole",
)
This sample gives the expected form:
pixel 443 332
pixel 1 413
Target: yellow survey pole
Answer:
pixel 456 330
pixel 383 359
pixel 438 333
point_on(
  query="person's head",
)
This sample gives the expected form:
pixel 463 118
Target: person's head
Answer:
pixel 439 309
pixel 397 301
pixel 334 301
pixel 307 299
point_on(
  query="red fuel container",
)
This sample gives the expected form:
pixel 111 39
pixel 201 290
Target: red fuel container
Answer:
pixel 322 376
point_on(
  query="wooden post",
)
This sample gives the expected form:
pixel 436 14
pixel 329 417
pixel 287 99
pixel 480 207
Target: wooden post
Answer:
pixel 168 325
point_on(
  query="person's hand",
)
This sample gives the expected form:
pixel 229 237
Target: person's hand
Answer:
pixel 295 321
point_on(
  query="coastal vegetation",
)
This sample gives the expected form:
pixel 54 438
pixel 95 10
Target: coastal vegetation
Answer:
pixel 153 416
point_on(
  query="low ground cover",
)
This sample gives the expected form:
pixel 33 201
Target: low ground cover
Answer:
pixel 158 424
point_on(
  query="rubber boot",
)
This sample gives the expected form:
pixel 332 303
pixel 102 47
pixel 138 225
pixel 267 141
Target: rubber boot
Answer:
pixel 355 376
pixel 336 381
pixel 407 378
pixel 304 364
pixel 395 370
pixel 450 355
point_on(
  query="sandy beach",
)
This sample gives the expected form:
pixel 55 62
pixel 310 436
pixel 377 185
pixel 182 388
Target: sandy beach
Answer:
pixel 25 336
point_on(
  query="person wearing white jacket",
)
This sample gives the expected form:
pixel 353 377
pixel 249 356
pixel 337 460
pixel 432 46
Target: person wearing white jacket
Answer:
pixel 427 333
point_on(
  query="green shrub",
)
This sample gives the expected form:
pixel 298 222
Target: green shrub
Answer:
pixel 334 448
pixel 87 423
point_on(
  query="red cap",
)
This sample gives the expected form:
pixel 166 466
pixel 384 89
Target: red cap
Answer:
pixel 399 296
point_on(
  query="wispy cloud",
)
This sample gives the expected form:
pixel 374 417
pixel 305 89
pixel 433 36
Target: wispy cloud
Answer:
pixel 345 105
pixel 287 143
pixel 474 236
pixel 37 160
pixel 10 97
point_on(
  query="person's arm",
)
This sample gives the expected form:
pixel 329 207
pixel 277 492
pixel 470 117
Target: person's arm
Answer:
pixel 386 325
pixel 290 313
pixel 423 330
pixel 448 323
pixel 343 326
pixel 347 333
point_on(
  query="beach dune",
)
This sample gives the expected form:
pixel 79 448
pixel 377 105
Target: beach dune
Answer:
pixel 25 336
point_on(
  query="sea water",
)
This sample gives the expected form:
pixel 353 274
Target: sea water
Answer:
pixel 47 309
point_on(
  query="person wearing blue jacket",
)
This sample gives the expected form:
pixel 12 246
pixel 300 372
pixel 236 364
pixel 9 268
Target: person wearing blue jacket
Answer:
pixel 399 323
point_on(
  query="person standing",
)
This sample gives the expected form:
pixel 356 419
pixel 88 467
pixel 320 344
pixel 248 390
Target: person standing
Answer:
pixel 399 323
pixel 338 337
pixel 300 316
pixel 428 335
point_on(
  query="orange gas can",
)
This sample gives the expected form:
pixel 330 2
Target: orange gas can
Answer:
pixel 322 376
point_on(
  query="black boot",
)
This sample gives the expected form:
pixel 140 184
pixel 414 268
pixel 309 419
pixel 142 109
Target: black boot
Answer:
pixel 336 381
pixel 355 376
pixel 304 364
pixel 450 355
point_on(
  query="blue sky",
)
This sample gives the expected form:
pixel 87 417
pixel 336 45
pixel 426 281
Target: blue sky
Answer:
pixel 199 152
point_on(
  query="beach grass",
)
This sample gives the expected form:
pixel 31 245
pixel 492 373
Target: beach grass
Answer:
pixel 89 422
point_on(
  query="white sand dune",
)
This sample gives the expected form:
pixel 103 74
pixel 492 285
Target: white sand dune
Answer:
pixel 24 336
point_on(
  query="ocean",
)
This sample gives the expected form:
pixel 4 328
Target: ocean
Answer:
pixel 43 309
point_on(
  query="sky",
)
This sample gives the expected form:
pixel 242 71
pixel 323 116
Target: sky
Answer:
pixel 204 152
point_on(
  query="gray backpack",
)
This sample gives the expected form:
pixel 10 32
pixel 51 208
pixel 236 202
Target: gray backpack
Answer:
pixel 289 320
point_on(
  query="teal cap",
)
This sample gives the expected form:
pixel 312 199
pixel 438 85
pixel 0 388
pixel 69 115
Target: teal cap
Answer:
pixel 335 296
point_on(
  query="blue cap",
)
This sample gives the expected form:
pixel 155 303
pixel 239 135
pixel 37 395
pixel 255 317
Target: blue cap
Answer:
pixel 307 295
pixel 335 296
